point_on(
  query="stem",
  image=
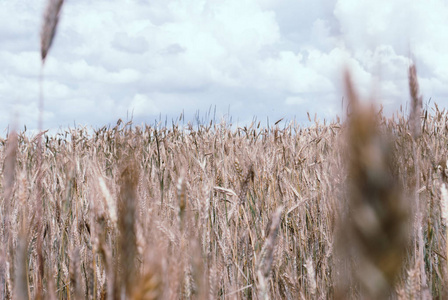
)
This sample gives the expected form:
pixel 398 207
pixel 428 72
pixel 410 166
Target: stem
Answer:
pixel 419 222
pixel 39 204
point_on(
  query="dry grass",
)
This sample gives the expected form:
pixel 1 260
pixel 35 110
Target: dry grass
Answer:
pixel 221 213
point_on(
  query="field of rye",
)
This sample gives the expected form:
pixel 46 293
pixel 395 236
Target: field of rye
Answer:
pixel 340 210
pixel 353 209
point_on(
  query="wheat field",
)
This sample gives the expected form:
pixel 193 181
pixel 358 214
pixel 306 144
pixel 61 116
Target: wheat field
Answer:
pixel 216 213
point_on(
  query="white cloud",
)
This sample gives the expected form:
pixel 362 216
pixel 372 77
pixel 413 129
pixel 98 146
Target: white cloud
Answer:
pixel 256 57
pixel 295 100
pixel 142 105
pixel 393 34
pixel 122 41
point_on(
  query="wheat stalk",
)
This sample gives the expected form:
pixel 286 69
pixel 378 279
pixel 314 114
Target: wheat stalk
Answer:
pixel 6 252
pixel 444 212
pixel 416 103
pixel 415 127
pixel 267 254
pixel 377 219
pixel 48 31
pixel 127 205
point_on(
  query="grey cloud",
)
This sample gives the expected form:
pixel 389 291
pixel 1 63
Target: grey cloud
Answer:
pixel 297 18
pixel 173 49
pixel 122 41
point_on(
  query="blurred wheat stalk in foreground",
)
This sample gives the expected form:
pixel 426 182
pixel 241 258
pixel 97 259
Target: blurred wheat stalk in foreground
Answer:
pixel 376 229
pixel 49 26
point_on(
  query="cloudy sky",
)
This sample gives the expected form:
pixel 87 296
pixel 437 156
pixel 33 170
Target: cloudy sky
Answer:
pixel 264 58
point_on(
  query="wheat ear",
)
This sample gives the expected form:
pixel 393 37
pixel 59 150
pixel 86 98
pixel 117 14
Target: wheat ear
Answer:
pixel 377 220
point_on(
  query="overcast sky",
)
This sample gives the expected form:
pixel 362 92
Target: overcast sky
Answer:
pixel 264 58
